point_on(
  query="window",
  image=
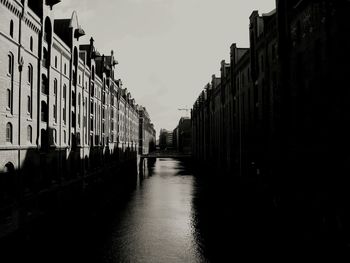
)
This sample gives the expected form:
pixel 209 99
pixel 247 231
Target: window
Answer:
pixel 30 74
pixel 10 64
pixel 64 102
pixel 64 91
pixel 29 133
pixel 30 81
pixel 45 61
pixel 65 69
pixel 55 61
pixel 64 137
pixel 55 105
pixel 44 115
pixel 31 44
pixel 29 105
pixel 9 132
pixel 11 28
pixel 8 98
pixel 44 84
pixel 54 133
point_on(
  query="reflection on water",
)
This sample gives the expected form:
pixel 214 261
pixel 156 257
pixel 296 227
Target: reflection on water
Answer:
pixel 156 224
pixel 169 215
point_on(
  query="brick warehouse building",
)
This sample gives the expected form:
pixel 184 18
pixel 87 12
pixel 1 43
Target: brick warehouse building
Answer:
pixel 64 114
pixel 284 110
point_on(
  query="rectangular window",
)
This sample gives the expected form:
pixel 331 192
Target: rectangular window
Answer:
pixel 29 105
pixel 8 98
pixel 55 112
pixel 64 115
pixel 10 64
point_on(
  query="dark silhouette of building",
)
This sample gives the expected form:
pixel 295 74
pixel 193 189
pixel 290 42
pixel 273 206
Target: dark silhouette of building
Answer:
pixel 182 136
pixel 280 110
pixel 165 139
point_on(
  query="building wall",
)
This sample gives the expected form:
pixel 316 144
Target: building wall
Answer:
pixel 147 133
pixel 89 128
pixel 233 117
pixel 289 110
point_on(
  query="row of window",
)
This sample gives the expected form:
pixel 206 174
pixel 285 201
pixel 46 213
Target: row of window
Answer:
pixel 12 34
pixel 9 134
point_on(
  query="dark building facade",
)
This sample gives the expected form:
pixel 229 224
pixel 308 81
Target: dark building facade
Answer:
pixel 280 107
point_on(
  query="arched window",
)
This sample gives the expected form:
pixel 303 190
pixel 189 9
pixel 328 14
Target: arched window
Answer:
pixel 29 134
pixel 11 28
pixel 48 30
pixel 31 44
pixel 9 132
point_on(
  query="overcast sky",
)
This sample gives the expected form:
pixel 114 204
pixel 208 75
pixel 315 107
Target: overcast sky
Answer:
pixel 167 49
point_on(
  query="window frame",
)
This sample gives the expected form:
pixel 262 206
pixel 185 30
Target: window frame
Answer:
pixel 9 132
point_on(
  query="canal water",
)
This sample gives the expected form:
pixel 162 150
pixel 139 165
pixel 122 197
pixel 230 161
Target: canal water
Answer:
pixel 170 214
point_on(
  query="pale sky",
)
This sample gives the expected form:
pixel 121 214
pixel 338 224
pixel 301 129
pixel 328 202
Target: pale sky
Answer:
pixel 167 49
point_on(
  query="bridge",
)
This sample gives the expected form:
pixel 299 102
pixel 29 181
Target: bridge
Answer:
pixel 160 154
pixel 164 154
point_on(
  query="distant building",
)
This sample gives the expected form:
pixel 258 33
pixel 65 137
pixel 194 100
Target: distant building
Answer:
pixel 165 139
pixel 182 136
